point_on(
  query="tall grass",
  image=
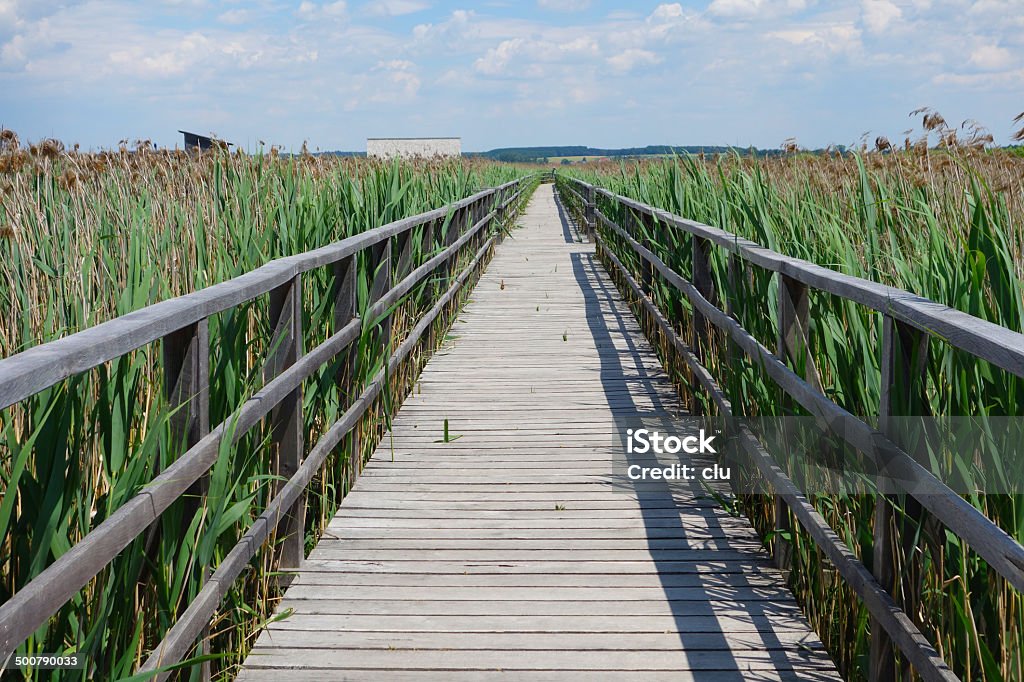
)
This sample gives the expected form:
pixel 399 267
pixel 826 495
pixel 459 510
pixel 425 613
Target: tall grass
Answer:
pixel 948 225
pixel 87 237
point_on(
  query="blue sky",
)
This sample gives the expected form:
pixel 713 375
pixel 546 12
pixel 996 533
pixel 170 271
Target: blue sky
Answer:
pixel 533 72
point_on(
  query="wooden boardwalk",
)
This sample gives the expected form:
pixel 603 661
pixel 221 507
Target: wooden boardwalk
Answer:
pixel 506 552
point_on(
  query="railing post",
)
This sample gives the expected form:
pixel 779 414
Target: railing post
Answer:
pixel 450 236
pixel 380 282
pixel 344 294
pixel 630 224
pixel 704 283
pixel 736 271
pixel 285 348
pixel 186 360
pixel 403 259
pixel 794 329
pixel 793 345
pixel 186 356
pixel 904 361
pixel 501 210
pixel 589 212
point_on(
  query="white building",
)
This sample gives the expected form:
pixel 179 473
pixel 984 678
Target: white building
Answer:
pixel 412 147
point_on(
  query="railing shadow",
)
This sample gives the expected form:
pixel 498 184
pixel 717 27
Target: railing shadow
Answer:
pixel 569 226
pixel 701 620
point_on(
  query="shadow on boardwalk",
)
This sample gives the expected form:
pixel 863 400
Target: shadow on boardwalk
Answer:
pixel 668 533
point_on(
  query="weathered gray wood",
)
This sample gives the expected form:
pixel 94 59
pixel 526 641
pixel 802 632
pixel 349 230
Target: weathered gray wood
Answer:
pixel 403 244
pixel 344 292
pixel 570 661
pixel 704 282
pixel 793 346
pixel 904 364
pixel 588 212
pixel 379 305
pixel 794 342
pixel 285 349
pixel 186 360
pixel 570 581
pixel 487 675
pixel 542 604
pixel 527 641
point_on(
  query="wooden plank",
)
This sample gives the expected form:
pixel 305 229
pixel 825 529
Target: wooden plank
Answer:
pixel 574 581
pixel 530 641
pixel 713 622
pixel 575 661
pixel 730 552
pixel 353 675
pixel 456 593
pixel 314 675
pixel 537 607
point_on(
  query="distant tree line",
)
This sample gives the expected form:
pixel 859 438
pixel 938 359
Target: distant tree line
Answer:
pixel 541 154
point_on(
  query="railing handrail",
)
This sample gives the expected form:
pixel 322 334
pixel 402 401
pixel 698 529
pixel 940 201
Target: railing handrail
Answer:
pixel 36 369
pixel 44 595
pixel 985 340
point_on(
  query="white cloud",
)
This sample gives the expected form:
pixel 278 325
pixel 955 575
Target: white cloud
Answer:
pixel 582 45
pixel 396 8
pixel 564 5
pixel 410 83
pixel 991 58
pixel 666 12
pixel 627 60
pixel 668 21
pixel 234 17
pixel 451 29
pixel 396 65
pixel 170 60
pixel 311 11
pixel 1013 79
pixel 878 14
pixel 822 41
pixel 15 51
pixel 751 9
pixel 495 61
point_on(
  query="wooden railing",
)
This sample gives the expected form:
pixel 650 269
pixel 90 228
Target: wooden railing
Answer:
pixel 181 325
pixel 908 322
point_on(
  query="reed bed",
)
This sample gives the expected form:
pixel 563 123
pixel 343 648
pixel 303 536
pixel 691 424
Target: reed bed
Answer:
pixel 947 224
pixel 85 238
